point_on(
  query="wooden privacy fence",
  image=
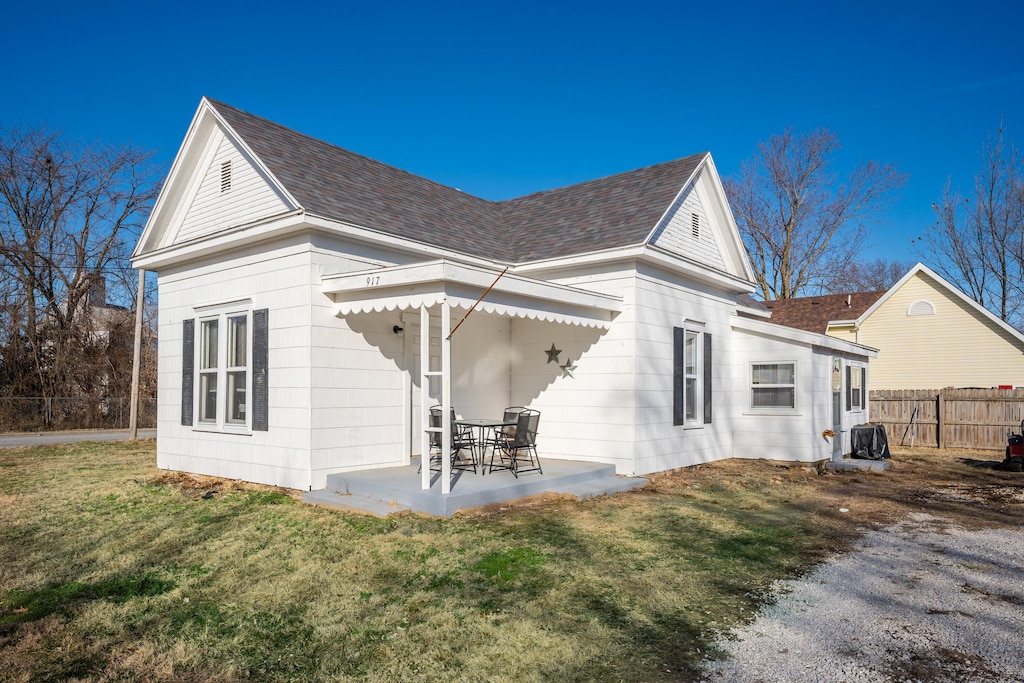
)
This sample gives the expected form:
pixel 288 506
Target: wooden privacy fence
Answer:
pixel 949 418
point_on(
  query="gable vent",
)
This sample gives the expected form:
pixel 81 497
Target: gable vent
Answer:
pixel 695 222
pixel 225 176
pixel 921 308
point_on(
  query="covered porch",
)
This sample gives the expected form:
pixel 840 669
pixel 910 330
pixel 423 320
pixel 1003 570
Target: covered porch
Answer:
pixel 486 369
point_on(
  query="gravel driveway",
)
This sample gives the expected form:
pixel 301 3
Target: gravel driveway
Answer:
pixel 918 601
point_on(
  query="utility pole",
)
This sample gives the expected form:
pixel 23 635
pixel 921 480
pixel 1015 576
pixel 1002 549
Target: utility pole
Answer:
pixel 140 298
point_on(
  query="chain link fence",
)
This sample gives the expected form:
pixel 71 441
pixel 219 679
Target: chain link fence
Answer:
pixel 28 414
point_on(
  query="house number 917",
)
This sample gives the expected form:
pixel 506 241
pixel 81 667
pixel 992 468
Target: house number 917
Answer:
pixel 372 280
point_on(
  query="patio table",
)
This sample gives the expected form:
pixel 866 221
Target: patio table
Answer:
pixel 481 424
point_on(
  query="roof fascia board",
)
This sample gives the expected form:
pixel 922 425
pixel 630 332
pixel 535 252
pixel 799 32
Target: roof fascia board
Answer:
pixel 172 175
pixel 592 257
pixel 665 259
pixel 248 233
pixel 643 252
pixel 443 271
pixel 802 336
pixel 760 313
pixel 889 292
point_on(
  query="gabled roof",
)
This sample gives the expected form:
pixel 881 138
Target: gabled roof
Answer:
pixel 337 184
pixel 814 313
pixel 967 301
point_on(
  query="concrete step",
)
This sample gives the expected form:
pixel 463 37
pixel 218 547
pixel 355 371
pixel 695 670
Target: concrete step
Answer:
pixel 351 503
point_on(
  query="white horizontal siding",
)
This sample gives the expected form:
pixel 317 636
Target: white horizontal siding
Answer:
pixel 279 456
pixel 587 416
pixel 661 306
pixel 250 197
pixel 782 435
pixel 357 382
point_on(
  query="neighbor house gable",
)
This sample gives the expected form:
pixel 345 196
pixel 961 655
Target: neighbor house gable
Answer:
pixel 933 336
pixel 921 271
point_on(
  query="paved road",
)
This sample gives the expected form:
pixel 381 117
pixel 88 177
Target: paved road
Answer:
pixel 47 438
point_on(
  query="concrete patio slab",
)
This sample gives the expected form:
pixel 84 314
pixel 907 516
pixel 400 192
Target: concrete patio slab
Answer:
pixel 384 491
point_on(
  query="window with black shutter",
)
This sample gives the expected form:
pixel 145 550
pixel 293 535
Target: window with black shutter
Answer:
pixel 228 389
pixel 691 376
pixel 188 331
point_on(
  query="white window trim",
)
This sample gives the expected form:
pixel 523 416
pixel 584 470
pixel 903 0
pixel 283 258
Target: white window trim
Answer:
pixel 862 405
pixel 795 410
pixel 221 313
pixel 697 421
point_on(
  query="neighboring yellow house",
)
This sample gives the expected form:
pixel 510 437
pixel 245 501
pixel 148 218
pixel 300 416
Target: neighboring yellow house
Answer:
pixel 928 333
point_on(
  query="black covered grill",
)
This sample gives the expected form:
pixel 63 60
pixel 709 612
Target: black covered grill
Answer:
pixel 868 442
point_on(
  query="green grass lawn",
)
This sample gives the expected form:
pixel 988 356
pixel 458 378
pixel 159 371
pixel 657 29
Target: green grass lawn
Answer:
pixel 108 574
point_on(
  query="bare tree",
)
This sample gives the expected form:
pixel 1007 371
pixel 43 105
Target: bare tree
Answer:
pixel 800 227
pixel 69 215
pixel 870 276
pixel 979 244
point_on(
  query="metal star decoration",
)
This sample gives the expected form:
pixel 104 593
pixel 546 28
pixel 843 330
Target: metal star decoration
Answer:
pixel 553 355
pixel 567 369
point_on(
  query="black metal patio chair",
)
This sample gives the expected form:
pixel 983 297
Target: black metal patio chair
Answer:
pixel 519 453
pixel 505 433
pixel 462 440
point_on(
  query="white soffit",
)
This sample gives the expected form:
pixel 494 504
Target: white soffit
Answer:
pixel 428 284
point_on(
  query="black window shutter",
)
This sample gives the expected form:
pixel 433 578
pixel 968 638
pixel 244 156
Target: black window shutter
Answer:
pixel 678 417
pixel 188 359
pixel 260 388
pixel 863 388
pixel 849 388
pixel 707 378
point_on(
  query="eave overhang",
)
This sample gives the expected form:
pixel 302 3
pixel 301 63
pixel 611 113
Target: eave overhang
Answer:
pixel 427 284
pixel 802 336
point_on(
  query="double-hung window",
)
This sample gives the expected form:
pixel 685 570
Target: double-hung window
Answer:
pixel 224 355
pixel 773 386
pixel 856 387
pixel 692 376
pixel 224 368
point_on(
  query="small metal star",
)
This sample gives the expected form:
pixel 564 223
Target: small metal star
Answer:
pixel 553 355
pixel 567 369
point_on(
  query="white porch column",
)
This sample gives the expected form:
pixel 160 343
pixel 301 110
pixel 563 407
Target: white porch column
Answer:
pixel 446 398
pixel 424 397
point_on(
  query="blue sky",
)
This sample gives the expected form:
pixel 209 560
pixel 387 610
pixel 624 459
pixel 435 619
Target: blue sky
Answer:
pixel 501 99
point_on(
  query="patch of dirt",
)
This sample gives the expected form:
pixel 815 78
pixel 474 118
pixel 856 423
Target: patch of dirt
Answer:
pixel 940 664
pixel 202 486
pixel 948 483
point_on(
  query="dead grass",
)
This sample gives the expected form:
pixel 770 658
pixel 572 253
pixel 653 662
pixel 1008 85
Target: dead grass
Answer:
pixel 111 570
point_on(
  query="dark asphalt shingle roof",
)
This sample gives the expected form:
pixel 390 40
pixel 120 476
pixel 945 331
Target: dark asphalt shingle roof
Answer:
pixel 813 313
pixel 335 183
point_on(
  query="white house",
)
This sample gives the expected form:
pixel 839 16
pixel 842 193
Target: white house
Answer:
pixel 296 279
